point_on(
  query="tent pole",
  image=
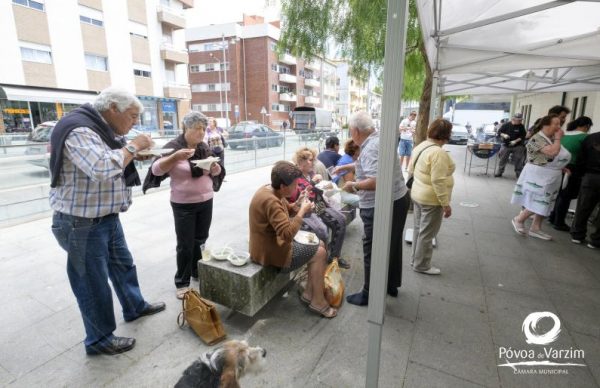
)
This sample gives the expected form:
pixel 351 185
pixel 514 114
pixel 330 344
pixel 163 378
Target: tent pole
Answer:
pixel 393 75
pixel 434 95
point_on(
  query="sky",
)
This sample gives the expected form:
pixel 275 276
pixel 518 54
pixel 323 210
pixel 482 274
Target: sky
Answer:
pixel 227 11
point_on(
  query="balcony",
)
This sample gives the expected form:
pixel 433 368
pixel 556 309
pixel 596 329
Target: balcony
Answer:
pixel 290 79
pixel 187 3
pixel 311 100
pixel 169 53
pixel 312 65
pixel 180 91
pixel 171 17
pixel 287 59
pixel 311 82
pixel 290 97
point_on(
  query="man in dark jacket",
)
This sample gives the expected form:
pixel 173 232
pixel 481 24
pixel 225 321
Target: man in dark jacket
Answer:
pixel 512 135
pixel 589 195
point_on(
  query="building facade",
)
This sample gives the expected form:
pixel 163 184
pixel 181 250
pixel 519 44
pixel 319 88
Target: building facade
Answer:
pixel 351 93
pixel 236 73
pixel 58 54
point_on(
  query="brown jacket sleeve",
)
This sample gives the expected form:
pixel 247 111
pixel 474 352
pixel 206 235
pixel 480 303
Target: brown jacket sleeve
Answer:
pixel 285 228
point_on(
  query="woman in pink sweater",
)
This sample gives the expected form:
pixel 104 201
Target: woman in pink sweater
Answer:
pixel 192 190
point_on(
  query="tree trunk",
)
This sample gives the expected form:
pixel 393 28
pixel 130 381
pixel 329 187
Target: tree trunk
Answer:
pixel 425 102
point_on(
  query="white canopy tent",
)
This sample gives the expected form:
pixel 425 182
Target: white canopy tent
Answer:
pixel 512 46
pixel 476 47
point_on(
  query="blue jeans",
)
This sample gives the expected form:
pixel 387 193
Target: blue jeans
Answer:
pixel 405 147
pixel 97 251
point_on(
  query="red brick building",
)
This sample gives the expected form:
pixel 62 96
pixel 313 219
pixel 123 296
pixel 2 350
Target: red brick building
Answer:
pixel 235 71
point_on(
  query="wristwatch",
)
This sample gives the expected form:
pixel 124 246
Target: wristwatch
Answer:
pixel 131 148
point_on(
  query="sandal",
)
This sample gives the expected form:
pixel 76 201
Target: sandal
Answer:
pixel 326 312
pixel 304 300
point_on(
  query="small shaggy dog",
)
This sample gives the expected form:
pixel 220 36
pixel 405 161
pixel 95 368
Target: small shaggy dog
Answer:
pixel 223 367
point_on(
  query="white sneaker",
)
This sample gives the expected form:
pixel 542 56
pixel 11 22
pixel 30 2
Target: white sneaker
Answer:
pixel 430 271
pixel 576 241
pixel 592 246
pixel 539 234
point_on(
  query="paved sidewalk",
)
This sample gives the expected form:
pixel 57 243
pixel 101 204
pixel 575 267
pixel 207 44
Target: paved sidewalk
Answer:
pixel 442 331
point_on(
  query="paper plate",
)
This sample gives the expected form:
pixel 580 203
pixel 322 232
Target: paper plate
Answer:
pixel 307 238
pixel 239 258
pixel 221 253
pixel 206 163
pixel 155 152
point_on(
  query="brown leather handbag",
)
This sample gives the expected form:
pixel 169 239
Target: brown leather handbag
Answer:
pixel 202 316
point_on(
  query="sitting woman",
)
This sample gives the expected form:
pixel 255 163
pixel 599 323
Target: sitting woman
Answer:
pixel 272 234
pixel 351 152
pixel 324 216
pixel 538 184
pixel 215 137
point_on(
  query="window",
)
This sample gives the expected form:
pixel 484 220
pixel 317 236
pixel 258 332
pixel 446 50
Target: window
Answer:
pixel 94 22
pixel 275 87
pixel 194 68
pixel 36 55
pixel 574 110
pixel 198 88
pixel 91 16
pixel 301 73
pixel 39 5
pixel 583 104
pixel 274 67
pixel 209 67
pixel 142 73
pixel 138 29
pixel 216 107
pixel 273 46
pixel 201 68
pixel 212 46
pixel 96 62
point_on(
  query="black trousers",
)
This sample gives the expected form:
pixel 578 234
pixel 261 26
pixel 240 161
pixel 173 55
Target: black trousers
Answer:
pixel 192 223
pixel 399 212
pixel 589 198
pixel 563 200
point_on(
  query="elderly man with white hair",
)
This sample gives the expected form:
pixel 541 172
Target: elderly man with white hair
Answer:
pixel 363 134
pixel 92 175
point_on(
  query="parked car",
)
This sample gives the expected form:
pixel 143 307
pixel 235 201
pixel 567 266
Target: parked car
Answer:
pixel 38 144
pixel 460 134
pixel 249 135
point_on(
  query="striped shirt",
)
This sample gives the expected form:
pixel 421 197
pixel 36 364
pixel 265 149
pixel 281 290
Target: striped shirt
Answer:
pixel 91 182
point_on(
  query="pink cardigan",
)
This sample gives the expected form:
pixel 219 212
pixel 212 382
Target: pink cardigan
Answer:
pixel 184 188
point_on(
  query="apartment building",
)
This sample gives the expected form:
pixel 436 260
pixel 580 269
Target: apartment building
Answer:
pixel 236 73
pixel 351 93
pixel 58 54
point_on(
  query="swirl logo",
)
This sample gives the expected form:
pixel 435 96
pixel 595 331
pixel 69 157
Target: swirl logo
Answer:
pixel 530 328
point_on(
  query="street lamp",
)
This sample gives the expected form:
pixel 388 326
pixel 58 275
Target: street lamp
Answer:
pixel 223 48
pixel 220 86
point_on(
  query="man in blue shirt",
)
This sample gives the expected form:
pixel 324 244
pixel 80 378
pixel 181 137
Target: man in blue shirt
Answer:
pixel 330 155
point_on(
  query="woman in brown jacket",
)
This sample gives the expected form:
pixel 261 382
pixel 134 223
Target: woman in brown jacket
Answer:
pixel 272 234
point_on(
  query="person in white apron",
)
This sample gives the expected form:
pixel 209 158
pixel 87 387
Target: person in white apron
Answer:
pixel 540 180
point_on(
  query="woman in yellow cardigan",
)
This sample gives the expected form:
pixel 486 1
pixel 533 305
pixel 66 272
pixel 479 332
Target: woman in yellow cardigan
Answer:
pixel 432 169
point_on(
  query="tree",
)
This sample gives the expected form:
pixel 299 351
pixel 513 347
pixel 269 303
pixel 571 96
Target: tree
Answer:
pixel 358 29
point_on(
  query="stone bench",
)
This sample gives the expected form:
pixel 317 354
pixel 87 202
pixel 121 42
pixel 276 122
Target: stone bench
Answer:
pixel 243 289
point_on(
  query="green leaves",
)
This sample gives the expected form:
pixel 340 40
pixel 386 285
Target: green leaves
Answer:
pixel 358 28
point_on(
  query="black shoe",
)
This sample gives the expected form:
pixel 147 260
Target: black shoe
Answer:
pixel 497 175
pixel 393 292
pixel 151 308
pixel 563 227
pixel 360 298
pixel 343 263
pixel 115 346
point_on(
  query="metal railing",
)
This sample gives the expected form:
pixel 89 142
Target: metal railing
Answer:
pixel 24 175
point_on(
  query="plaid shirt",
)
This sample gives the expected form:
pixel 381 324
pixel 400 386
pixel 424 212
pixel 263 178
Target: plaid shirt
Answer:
pixel 91 182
